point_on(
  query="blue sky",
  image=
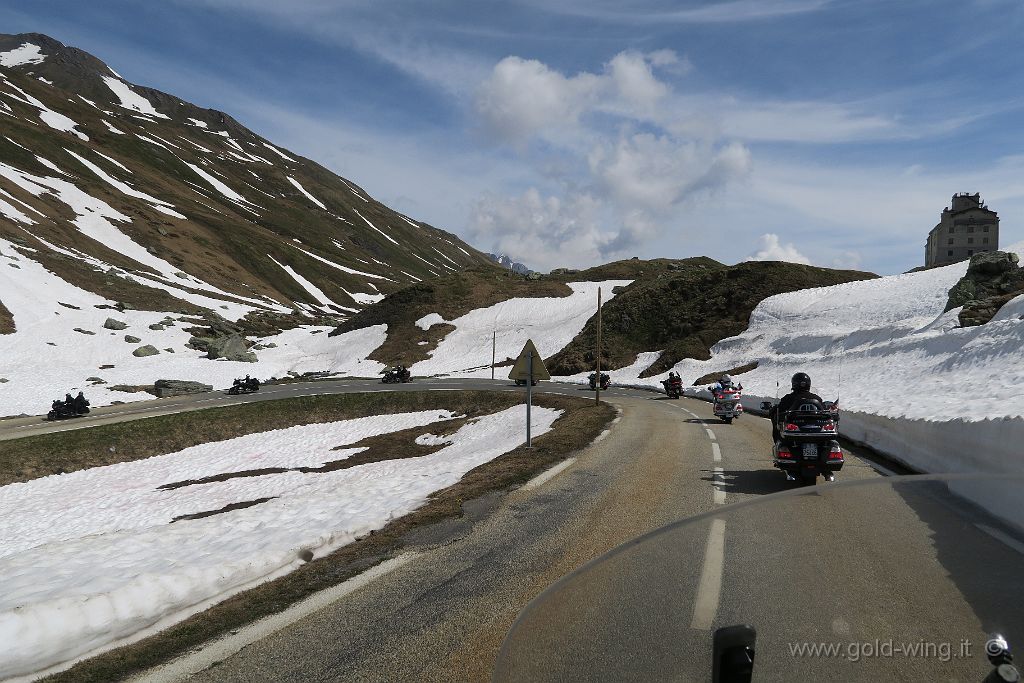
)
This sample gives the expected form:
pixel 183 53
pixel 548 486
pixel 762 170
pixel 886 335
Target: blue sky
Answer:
pixel 573 132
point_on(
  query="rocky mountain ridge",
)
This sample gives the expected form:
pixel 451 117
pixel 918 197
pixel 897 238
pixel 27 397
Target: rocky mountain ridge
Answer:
pixel 141 197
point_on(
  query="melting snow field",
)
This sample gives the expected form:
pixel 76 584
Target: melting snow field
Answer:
pixel 551 322
pixel 47 357
pixel 93 558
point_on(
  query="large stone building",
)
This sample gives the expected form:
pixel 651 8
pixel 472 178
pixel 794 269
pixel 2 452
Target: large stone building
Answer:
pixel 966 227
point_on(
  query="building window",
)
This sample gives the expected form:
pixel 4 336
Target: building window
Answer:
pixel 970 229
pixel 951 228
pixel 949 253
pixel 970 240
pixel 985 240
pixel 985 228
pixel 951 240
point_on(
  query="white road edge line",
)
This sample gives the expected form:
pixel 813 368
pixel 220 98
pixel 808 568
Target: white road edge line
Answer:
pixel 999 535
pixel 710 587
pixel 552 472
pixel 716 452
pixel 711 434
pixel 718 482
pixel 184 667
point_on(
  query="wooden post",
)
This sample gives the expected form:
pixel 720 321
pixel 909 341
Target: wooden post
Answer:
pixel 494 344
pixel 597 396
pixel 529 399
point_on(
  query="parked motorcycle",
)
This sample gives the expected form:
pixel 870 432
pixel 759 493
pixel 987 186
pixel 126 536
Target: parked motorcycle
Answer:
pixel 397 375
pixel 522 383
pixel 605 381
pixel 244 386
pixel 727 404
pixel 807 447
pixel 673 386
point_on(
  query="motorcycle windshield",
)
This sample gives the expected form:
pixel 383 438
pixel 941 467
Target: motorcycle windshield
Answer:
pixel 896 579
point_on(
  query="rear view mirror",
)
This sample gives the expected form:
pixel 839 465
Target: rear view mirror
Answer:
pixel 733 654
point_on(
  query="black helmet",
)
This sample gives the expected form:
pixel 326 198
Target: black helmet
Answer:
pixel 801 382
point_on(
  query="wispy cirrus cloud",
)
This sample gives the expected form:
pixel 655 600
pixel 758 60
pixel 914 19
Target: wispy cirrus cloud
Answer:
pixel 646 12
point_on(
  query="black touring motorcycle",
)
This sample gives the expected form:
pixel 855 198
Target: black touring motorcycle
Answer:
pixel 244 386
pixel 69 407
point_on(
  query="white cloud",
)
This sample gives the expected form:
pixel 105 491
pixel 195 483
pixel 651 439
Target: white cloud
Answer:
pixel 655 172
pixel 772 250
pixel 523 97
pixel 642 12
pixel 542 232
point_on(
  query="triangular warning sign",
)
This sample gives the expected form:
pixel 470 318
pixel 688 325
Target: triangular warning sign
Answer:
pixel 521 370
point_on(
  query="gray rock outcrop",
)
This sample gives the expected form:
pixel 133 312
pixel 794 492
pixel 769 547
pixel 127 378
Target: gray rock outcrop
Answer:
pixel 112 324
pixel 179 387
pixel 992 279
pixel 147 350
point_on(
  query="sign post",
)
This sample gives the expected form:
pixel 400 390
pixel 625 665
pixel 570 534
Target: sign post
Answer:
pixel 494 345
pixel 529 368
pixel 529 396
pixel 597 395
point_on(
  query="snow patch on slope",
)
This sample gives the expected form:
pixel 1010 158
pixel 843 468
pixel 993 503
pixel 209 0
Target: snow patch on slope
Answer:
pixel 27 53
pixel 131 99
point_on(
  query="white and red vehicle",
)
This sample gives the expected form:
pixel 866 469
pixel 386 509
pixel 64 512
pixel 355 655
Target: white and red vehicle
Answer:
pixel 727 403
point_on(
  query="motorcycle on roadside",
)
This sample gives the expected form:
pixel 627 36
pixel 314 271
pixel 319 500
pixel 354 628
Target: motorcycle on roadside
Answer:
pixel 397 375
pixel 68 408
pixel 247 385
pixel 605 381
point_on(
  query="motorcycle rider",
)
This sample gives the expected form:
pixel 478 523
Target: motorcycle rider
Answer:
pixel 801 393
pixel 81 404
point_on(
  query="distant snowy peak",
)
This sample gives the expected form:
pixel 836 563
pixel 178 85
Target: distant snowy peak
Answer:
pixel 506 262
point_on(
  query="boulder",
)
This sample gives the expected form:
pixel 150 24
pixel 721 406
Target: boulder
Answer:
pixel 992 263
pixel 232 347
pixel 992 279
pixel 156 327
pixel 179 387
pixel 131 340
pixel 147 350
pixel 112 324
pixel 81 331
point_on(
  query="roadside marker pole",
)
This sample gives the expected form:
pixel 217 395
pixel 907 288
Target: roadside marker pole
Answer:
pixel 597 396
pixel 529 399
pixel 494 343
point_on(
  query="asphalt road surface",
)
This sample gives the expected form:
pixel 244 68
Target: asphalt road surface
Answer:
pixel 441 611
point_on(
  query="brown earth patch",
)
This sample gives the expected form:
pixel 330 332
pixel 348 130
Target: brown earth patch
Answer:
pixel 714 376
pixel 6 320
pixel 393 446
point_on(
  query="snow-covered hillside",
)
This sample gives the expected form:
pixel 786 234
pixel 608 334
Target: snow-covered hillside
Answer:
pixel 897 353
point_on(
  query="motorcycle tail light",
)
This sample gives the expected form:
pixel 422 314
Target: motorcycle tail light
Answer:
pixel 828 427
pixel 835 453
pixel 791 428
pixel 784 453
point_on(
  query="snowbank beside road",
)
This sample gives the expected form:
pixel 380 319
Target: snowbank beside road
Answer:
pixel 94 557
pixel 937 397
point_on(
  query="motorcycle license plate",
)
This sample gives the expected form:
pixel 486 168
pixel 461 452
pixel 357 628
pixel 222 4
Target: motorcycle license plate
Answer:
pixel 810 451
